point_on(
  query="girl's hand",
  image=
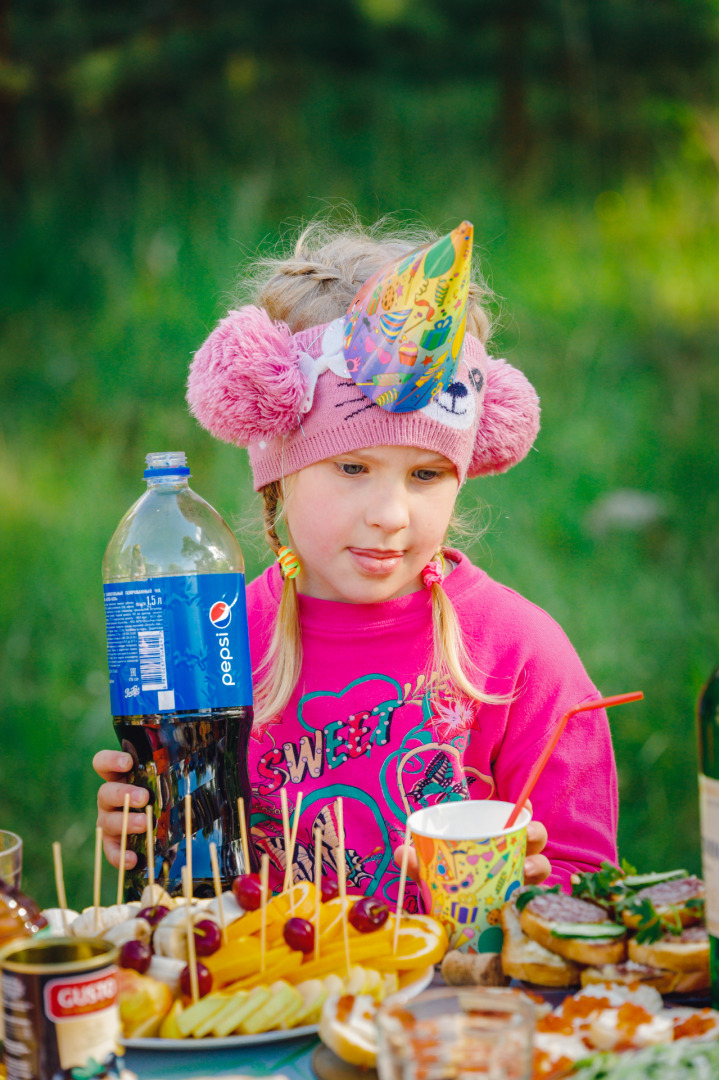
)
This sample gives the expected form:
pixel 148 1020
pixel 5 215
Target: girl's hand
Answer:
pixel 113 766
pixel 536 866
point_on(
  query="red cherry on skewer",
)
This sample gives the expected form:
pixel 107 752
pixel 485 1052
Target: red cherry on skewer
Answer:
pixel 329 889
pixel 368 914
pixel 208 937
pixel 299 934
pixel 136 955
pixel 154 914
pixel 248 891
pixel 204 980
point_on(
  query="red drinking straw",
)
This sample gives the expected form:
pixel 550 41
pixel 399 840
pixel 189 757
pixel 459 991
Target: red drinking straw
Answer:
pixel 603 703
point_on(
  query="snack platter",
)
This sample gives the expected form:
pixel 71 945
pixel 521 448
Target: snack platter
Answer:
pixel 240 1042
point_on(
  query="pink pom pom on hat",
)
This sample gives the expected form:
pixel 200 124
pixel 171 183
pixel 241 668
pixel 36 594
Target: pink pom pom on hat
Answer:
pixel 295 399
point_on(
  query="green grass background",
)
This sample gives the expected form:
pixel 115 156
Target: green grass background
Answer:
pixel 607 299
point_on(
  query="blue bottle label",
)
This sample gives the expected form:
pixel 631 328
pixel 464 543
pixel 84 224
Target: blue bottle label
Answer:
pixel 178 643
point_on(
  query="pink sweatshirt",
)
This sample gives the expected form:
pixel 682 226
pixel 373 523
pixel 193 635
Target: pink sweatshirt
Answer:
pixel 368 722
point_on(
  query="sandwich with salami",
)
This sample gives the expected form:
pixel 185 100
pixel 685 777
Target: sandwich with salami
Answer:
pixel 575 929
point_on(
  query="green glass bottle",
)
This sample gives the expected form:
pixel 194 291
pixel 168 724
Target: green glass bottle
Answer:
pixel 708 725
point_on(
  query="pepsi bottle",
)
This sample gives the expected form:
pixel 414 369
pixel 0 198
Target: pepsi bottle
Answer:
pixel 180 678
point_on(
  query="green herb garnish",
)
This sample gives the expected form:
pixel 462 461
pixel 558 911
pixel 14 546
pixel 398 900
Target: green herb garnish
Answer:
pixel 603 887
pixel 652 926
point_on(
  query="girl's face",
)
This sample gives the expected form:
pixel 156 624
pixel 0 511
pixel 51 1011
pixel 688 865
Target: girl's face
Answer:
pixel 365 524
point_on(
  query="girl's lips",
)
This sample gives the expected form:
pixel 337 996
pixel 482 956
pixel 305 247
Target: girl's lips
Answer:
pixel 373 561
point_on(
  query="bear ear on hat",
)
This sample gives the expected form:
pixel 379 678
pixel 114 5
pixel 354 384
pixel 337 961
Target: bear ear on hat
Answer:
pixel 509 421
pixel 245 382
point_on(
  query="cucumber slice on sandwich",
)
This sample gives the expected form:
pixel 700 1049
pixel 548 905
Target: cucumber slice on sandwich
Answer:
pixel 593 931
pixel 642 881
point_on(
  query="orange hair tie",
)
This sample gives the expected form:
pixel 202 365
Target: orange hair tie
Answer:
pixel 289 563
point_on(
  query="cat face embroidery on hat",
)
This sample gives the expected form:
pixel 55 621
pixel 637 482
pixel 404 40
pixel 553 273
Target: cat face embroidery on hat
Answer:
pixel 404 332
pixel 457 405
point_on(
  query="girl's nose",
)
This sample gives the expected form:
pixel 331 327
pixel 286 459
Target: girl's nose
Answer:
pixel 388 508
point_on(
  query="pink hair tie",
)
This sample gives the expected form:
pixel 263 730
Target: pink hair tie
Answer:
pixel 433 574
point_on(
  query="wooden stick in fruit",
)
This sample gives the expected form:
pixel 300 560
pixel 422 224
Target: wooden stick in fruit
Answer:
pixel 318 888
pixel 218 889
pixel 96 878
pixel 342 878
pixel 123 848
pixel 602 703
pixel 290 867
pixel 243 834
pixel 285 834
pixel 264 876
pixel 60 883
pixel 188 835
pixel 191 954
pixel 402 883
pixel 150 849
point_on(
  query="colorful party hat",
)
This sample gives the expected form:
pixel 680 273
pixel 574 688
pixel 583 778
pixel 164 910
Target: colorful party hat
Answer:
pixel 405 327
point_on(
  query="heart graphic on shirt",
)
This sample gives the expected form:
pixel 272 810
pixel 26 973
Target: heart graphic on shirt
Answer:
pixel 353 720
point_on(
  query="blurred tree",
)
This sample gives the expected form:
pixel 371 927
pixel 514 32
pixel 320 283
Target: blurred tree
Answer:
pixel 114 82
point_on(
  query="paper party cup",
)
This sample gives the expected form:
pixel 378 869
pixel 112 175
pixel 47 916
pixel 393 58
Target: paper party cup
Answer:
pixel 469 864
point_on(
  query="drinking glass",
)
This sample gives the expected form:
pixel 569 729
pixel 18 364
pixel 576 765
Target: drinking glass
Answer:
pixel 10 858
pixel 457 1033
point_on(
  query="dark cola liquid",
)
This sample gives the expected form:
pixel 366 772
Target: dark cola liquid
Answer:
pixel 204 753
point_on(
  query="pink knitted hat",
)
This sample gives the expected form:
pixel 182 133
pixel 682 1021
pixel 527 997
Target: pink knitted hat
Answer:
pixel 290 399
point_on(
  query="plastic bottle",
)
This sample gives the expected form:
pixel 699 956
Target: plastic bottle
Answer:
pixel 180 677
pixel 708 726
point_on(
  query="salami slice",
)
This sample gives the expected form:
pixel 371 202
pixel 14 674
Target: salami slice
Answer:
pixel 696 934
pixel 560 908
pixel 667 893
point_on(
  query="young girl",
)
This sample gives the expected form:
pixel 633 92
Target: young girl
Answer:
pixel 388 669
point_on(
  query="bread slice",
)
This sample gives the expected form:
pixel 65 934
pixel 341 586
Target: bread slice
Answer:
pixel 630 972
pixel 548 912
pixel 688 951
pixel 525 959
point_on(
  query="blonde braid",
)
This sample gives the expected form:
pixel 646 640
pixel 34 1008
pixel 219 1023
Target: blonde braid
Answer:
pixel 279 669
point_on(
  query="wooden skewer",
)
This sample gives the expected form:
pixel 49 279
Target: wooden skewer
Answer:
pixel 96 879
pixel 192 955
pixel 318 888
pixel 218 889
pixel 150 848
pixel 188 836
pixel 123 848
pixel 264 877
pixel 285 834
pixel 243 834
pixel 290 868
pixel 342 878
pixel 402 882
pixel 60 883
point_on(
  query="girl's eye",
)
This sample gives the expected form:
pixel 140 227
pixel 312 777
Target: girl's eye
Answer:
pixel 426 474
pixel 349 468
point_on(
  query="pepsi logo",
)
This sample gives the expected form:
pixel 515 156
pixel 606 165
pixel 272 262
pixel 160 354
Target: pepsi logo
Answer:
pixel 220 614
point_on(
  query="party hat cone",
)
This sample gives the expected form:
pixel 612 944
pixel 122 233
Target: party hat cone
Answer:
pixel 405 328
